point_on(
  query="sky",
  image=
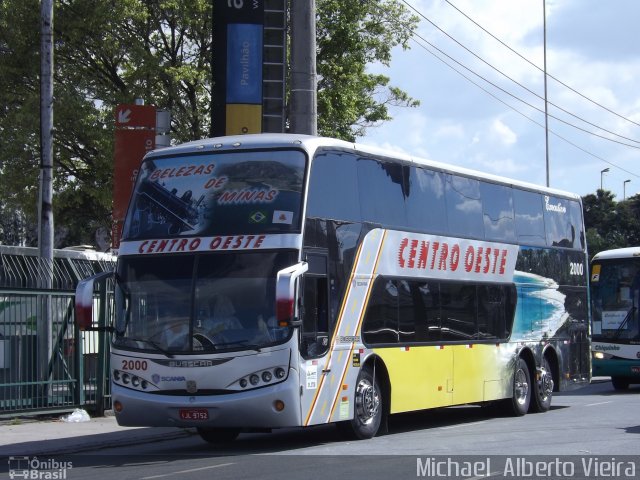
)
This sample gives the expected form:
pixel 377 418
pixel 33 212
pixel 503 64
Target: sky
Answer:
pixel 593 48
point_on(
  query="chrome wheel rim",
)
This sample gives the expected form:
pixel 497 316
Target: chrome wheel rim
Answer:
pixel 367 402
pixel 545 384
pixel 521 387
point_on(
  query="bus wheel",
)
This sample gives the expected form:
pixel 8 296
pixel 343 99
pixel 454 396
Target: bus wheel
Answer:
pixel 520 399
pixel 218 435
pixel 367 408
pixel 620 383
pixel 542 388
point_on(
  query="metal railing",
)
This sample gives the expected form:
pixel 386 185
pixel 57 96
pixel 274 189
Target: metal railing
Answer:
pixel 71 370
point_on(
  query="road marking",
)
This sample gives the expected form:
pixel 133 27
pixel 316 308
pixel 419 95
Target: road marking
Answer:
pixel 187 471
pixel 599 403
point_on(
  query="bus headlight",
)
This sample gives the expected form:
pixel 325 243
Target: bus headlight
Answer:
pixel 601 355
pixel 261 378
pixel 131 380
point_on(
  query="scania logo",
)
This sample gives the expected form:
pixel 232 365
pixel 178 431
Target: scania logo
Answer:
pixel 157 378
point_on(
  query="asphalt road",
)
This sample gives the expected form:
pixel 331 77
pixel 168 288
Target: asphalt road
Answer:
pixel 594 426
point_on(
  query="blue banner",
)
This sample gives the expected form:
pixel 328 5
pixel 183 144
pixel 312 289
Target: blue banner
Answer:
pixel 244 63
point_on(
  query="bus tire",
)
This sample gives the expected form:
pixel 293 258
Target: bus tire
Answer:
pixel 218 435
pixel 520 399
pixel 542 389
pixel 367 405
pixel 620 383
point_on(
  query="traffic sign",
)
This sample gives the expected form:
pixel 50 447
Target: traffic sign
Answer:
pixel 135 116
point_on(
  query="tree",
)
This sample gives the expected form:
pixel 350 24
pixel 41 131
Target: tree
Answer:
pixel 352 35
pixel 629 224
pixel 610 224
pixel 110 52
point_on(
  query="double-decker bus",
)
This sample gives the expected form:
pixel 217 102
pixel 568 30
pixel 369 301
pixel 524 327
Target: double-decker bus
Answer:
pixel 268 281
pixel 615 300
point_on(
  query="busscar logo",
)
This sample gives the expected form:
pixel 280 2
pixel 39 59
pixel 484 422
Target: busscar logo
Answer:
pixel 38 469
pixel 559 208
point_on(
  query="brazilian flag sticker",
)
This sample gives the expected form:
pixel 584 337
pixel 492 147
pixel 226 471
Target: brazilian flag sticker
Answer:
pixel 258 217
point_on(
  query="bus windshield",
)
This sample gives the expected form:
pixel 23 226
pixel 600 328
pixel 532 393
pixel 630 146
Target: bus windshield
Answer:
pixel 217 194
pixel 615 290
pixel 201 303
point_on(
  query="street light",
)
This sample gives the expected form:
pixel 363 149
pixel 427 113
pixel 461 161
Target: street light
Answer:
pixel 602 172
pixel 624 189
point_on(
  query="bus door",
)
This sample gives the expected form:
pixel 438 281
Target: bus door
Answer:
pixel 315 333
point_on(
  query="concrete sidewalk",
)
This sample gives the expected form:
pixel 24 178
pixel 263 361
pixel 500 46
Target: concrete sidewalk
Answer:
pixel 53 436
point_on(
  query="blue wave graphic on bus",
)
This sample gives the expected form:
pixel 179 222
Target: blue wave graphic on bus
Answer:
pixel 540 311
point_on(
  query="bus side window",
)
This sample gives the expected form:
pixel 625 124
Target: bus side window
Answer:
pixel 529 218
pixel 492 310
pixel 464 207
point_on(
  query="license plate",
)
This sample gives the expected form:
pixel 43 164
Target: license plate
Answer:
pixel 635 369
pixel 194 414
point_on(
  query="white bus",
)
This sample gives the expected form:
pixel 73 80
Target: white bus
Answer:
pixel 268 281
pixel 615 300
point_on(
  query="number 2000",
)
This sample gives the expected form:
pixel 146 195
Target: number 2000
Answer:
pixel 576 268
pixel 134 364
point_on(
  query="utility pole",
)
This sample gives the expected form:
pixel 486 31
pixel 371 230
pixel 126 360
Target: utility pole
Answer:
pixel 546 103
pixel 45 233
pixel 304 110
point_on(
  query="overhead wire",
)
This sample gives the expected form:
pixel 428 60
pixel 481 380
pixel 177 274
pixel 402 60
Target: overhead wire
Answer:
pixel 520 99
pixel 521 113
pixel 524 87
pixel 517 98
pixel 540 69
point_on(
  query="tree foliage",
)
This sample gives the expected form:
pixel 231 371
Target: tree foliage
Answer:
pixel 350 36
pixel 109 52
pixel 610 224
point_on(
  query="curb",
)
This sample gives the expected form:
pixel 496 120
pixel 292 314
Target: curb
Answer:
pixel 86 443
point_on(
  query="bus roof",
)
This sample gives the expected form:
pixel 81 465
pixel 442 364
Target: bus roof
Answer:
pixel 618 253
pixel 310 143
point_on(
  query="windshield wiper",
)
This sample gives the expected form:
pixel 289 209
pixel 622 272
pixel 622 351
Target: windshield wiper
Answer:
pixel 624 322
pixel 243 343
pixel 150 342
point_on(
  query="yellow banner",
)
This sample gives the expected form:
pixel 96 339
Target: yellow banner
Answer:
pixel 242 118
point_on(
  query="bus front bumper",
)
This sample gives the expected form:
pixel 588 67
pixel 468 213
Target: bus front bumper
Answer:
pixel 616 368
pixel 244 409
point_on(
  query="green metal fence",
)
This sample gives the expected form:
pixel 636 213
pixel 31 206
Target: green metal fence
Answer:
pixel 46 364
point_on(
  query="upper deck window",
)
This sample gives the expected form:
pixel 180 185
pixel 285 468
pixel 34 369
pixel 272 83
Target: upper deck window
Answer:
pixel 497 205
pixel 563 222
pixel 464 206
pixel 333 187
pixel 529 218
pixel 382 192
pixel 217 194
pixel 425 200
